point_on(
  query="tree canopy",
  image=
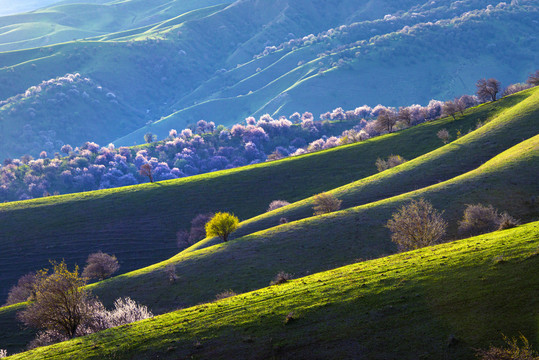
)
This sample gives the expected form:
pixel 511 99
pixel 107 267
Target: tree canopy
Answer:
pixel 222 224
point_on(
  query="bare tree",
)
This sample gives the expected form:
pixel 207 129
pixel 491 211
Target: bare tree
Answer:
pixel 146 170
pixel 450 108
pixel 416 225
pixel 100 266
pixel 198 227
pixel 275 204
pixel 461 104
pixel 23 290
pixel 405 115
pixel 443 135
pixel 533 79
pixel 488 89
pixel 479 219
pixel 325 203
pixel 386 120
pixel 60 304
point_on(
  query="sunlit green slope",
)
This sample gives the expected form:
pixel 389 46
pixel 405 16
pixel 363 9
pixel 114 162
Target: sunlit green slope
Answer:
pixel 433 303
pixel 328 241
pixel 138 223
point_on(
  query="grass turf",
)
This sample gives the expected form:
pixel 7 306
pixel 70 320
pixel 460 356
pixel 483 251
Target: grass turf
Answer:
pixel 132 220
pixel 433 303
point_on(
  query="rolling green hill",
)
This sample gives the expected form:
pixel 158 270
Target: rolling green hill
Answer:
pixel 328 241
pixel 323 242
pixel 128 221
pixel 125 221
pixel 501 130
pixel 436 302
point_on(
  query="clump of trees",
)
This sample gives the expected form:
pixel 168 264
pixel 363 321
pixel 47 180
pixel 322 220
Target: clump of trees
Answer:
pixel 512 351
pixel 386 120
pixel 514 88
pixel 100 266
pixel 479 219
pixel 205 147
pixel 222 224
pixel 392 161
pixel 62 308
pixel 149 137
pixel 281 278
pixel 275 204
pixel 325 203
pixel 24 289
pixel 416 225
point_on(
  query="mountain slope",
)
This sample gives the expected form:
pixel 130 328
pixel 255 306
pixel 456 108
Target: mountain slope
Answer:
pixel 438 302
pixel 369 62
pixel 500 132
pixel 249 262
pixel 324 242
pixel 169 67
pixel 64 22
pixel 129 221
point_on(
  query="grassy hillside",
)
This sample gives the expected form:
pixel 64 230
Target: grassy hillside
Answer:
pixel 68 21
pixel 438 302
pixel 139 218
pixel 20 6
pixel 324 242
pixel 128 221
pixel 171 63
pixel 514 119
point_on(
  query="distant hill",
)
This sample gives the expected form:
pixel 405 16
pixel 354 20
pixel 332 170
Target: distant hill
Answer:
pixel 172 63
pixel 14 7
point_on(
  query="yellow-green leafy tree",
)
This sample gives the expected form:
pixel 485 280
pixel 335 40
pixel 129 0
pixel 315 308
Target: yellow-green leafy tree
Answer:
pixel 222 224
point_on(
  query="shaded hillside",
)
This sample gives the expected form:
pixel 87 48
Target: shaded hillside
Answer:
pixel 395 62
pixel 321 242
pixel 500 130
pixel 308 57
pixel 65 21
pixel 130 221
pixel 126 221
pixel 439 302
pixel 324 242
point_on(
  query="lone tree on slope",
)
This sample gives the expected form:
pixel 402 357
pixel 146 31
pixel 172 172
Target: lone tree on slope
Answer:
pixel 386 120
pixel 416 225
pixel 60 302
pixel 222 224
pixel 146 170
pixel 100 266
